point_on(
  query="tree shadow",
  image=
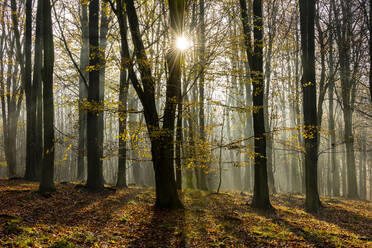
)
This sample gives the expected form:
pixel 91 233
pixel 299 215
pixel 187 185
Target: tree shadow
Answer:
pixel 299 231
pixel 68 206
pixel 345 219
pixel 245 232
pixel 166 229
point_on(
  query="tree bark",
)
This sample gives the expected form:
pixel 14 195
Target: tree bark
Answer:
pixel 123 97
pixel 261 198
pixel 307 15
pixel 95 177
pixel 47 176
pixel 179 141
pixel 31 166
pixel 84 63
pixel 162 139
pixel 103 30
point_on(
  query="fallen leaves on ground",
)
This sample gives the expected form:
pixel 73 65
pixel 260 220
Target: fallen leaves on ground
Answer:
pixel 75 217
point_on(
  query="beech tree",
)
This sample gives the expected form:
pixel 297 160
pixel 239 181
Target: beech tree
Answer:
pixel 255 59
pixel 94 143
pixel 47 173
pixel 307 17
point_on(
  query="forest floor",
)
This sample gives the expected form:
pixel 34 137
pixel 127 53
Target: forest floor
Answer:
pixel 74 217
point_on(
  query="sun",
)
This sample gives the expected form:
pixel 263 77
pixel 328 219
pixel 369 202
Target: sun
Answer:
pixel 182 43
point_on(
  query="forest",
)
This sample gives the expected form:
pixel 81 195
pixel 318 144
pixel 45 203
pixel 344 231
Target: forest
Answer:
pixel 186 123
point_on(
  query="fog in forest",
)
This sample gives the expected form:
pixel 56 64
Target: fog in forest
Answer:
pixel 208 117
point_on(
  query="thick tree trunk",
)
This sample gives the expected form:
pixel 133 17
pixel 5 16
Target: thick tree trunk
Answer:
pixel 166 189
pixel 162 140
pixel 352 189
pixel 307 14
pixel 31 173
pixel 95 177
pixel 47 176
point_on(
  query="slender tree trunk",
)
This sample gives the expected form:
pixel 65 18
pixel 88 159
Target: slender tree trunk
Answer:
pixel 136 165
pixel 103 30
pixel 84 63
pixel 179 141
pixel 248 127
pixel 47 176
pixel 362 168
pixel 122 161
pixel 261 198
pixel 201 174
pixel 15 98
pixel 270 136
pixel 331 120
pixel 123 98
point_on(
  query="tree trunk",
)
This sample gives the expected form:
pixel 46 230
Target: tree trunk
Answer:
pixel 352 189
pixel 202 182
pixel 123 99
pixel 307 14
pixel 31 166
pixel 332 152
pixel 84 63
pixel 331 122
pixel 255 58
pixel 14 99
pixel 122 161
pixel 103 29
pixel 47 176
pixel 179 141
pixel 363 168
pixel 94 147
pixel 162 140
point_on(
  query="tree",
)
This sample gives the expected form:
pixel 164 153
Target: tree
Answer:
pixel 47 175
pixel 200 175
pixel 123 93
pixel 162 139
pixel 307 17
pixel 31 166
pixel 84 63
pixel 255 59
pixel 344 40
pixel 94 146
